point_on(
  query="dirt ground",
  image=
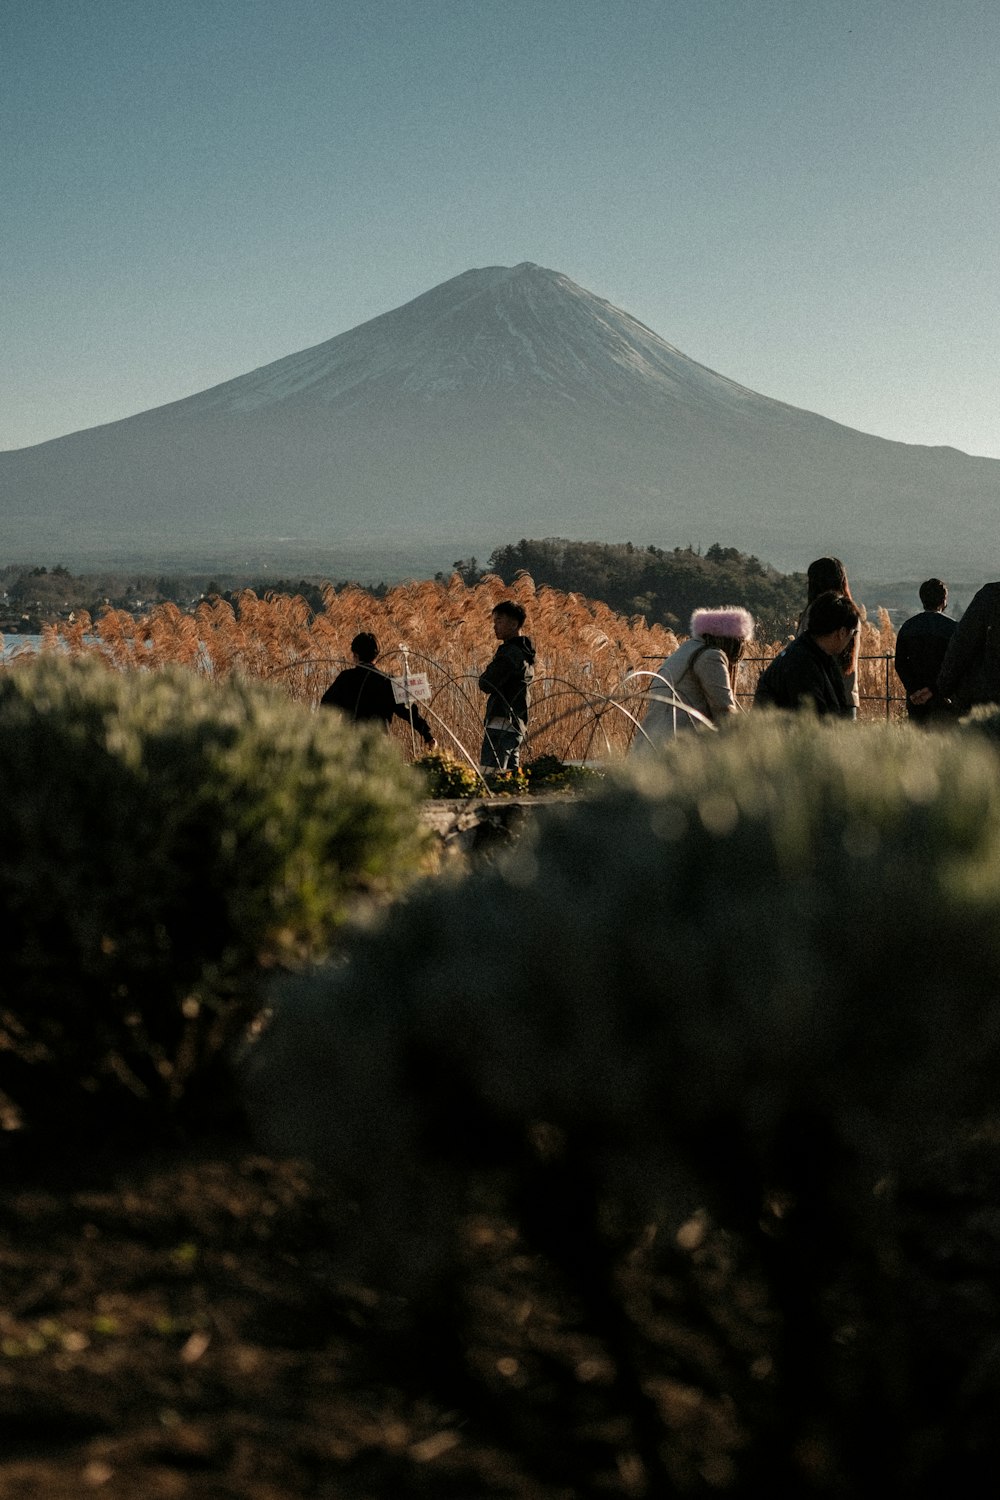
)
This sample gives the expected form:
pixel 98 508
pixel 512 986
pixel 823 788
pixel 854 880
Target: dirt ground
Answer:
pixel 173 1325
pixel 168 1329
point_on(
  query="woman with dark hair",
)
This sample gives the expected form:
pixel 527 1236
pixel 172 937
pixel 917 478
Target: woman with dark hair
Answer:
pixel 698 676
pixel 827 575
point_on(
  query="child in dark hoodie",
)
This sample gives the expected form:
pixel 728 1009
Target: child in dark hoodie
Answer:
pixel 507 680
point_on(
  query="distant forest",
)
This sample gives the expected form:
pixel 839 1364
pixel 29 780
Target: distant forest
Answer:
pixel 662 586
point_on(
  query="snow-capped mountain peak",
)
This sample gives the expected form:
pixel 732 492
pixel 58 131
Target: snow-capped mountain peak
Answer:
pixel 523 331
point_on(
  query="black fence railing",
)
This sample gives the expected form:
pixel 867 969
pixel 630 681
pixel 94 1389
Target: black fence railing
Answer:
pixel 890 692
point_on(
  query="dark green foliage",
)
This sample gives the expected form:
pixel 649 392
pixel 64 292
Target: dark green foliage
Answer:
pixel 449 778
pixel 759 979
pixel 467 569
pixel 510 783
pixel 548 773
pixel 662 586
pixel 161 837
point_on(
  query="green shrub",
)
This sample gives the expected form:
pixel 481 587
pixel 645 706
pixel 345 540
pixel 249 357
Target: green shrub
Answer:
pixel 448 778
pixel 550 774
pixel 757 978
pixel 161 837
pixel 512 783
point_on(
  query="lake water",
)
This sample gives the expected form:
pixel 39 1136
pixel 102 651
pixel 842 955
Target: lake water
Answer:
pixel 16 645
pixel 12 644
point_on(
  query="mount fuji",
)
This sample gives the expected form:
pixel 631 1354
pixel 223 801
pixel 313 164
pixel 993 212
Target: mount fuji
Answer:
pixel 505 402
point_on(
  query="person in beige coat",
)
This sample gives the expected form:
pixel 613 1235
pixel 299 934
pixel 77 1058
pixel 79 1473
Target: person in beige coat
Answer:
pixel 693 689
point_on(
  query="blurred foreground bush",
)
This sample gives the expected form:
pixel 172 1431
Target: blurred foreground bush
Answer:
pixel 160 838
pixel 750 992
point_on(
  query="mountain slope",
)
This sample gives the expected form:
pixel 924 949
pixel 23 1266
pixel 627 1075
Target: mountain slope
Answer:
pixel 519 333
pixel 505 402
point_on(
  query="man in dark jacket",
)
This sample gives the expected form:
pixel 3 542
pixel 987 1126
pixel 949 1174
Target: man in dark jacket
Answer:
pixel 920 651
pixel 807 674
pixel 506 682
pixel 367 694
pixel 970 672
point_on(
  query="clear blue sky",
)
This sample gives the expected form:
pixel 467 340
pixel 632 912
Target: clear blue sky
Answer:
pixel 802 194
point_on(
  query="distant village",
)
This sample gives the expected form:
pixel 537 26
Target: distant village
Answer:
pixel 32 597
pixel 35 596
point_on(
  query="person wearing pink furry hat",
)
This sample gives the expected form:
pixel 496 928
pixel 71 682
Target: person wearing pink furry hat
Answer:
pixel 693 689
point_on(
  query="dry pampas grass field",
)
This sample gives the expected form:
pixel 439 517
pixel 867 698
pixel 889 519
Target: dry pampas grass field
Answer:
pixel 584 703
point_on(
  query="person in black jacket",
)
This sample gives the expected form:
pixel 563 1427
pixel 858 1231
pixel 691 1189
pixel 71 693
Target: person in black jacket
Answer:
pixel 920 651
pixel 506 682
pixel 827 575
pixel 366 693
pixel 808 674
pixel 970 672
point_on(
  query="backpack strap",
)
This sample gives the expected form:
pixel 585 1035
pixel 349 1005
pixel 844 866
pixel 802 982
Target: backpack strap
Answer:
pixel 691 661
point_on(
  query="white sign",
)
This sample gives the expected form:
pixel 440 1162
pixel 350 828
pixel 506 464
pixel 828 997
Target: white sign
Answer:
pixel 414 688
